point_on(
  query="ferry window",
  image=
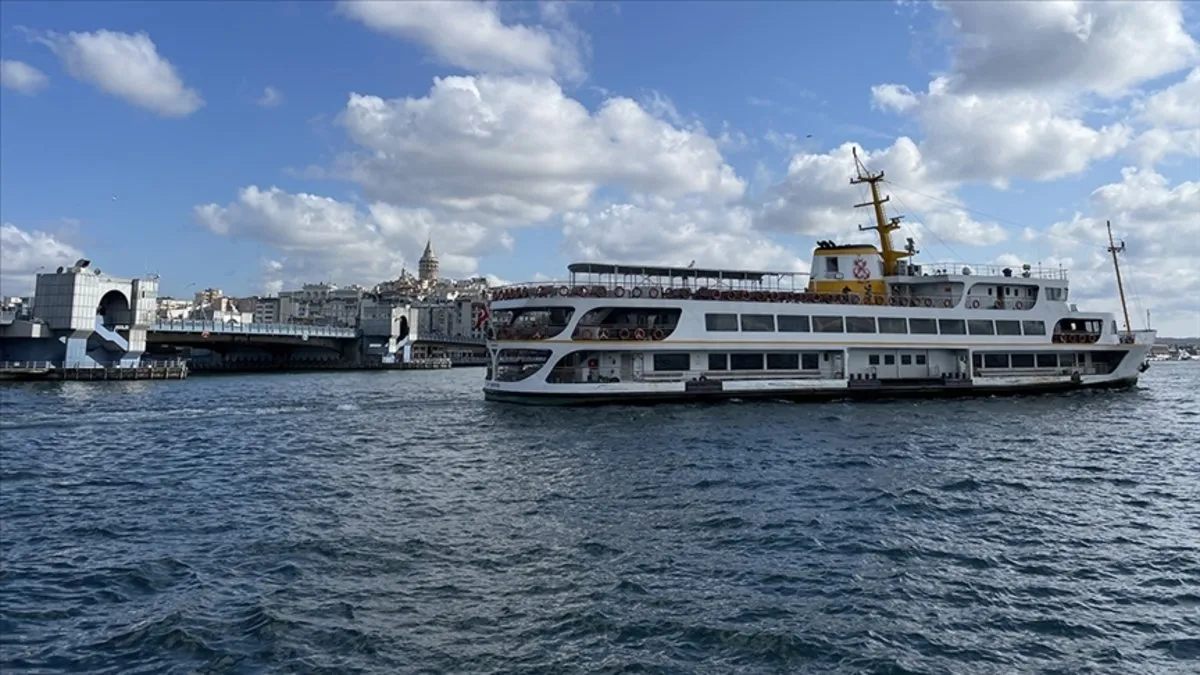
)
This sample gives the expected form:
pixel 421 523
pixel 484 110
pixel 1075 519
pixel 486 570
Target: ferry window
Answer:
pixel 952 327
pixel 744 361
pixel 977 361
pixel 860 324
pixel 718 362
pixel 920 359
pixel 892 325
pixel 1022 360
pixel 1034 327
pixel 827 324
pixel 989 290
pixel 1008 328
pixel 831 265
pixel 873 360
pixel 758 322
pixel 672 361
pixel 906 359
pixel 1047 360
pixel 923 326
pixel 889 359
pixel 721 322
pixel 980 327
pixel 809 362
pixel 995 360
pixel 792 324
pixel 783 362
pixel 514 365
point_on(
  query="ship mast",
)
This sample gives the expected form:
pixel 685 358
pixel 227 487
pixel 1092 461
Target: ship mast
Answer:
pixel 884 226
pixel 1114 249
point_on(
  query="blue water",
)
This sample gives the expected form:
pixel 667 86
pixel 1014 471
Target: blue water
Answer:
pixel 395 523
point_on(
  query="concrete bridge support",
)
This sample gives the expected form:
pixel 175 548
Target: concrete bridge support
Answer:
pixel 97 319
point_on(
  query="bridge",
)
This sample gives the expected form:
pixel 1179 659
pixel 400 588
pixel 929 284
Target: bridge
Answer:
pixel 84 318
pixel 302 331
pixel 214 345
pixel 216 329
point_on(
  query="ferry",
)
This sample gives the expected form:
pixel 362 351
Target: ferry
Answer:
pixel 866 322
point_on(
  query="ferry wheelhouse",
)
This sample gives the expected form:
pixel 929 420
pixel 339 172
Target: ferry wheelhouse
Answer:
pixel 865 322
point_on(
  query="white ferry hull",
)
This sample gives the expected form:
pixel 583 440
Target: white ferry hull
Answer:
pixel 675 392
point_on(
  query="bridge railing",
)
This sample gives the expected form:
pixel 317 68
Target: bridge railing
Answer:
pixel 277 329
pixel 451 339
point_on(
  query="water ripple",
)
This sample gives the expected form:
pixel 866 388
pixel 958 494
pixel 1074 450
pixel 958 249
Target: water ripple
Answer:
pixel 393 522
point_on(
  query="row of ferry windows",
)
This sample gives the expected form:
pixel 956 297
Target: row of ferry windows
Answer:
pixel 1026 360
pixel 890 359
pixel 742 361
pixel 789 323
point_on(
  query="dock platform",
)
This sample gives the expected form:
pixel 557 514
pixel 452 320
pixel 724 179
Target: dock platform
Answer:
pixel 45 370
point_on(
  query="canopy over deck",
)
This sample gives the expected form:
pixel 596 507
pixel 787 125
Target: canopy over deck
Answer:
pixel 674 272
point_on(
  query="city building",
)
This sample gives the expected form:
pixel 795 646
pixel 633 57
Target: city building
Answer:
pixel 266 310
pixel 322 304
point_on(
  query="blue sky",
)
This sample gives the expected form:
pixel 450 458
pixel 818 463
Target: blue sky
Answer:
pixel 755 87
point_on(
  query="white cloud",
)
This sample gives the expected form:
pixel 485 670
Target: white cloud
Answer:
pixel 1161 228
pixel 1177 106
pixel 1065 48
pixel 1013 103
pixel 271 97
pixel 320 237
pixel 517 150
pixel 997 137
pixel 472 35
pixel 665 232
pixel 24 253
pixel 816 198
pixel 22 77
pixel 895 97
pixel 127 66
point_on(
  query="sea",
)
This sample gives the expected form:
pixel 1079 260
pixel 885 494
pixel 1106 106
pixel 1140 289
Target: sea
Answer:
pixel 394 522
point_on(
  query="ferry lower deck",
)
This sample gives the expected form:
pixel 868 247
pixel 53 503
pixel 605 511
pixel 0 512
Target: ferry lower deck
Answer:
pixel 568 375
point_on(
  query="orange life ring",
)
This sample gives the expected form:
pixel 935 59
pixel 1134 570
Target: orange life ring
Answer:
pixel 624 334
pixel 654 292
pixel 1019 305
pixel 563 290
pixel 892 300
pixel 878 300
pixel 658 334
pixel 637 293
pixel 946 302
pixel 619 292
pixel 639 334
pixel 975 303
pixel 603 334
pixel 929 302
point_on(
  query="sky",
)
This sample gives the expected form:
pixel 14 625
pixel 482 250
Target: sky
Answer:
pixel 257 146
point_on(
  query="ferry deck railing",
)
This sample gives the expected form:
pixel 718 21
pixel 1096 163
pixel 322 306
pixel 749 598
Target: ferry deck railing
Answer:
pixel 955 268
